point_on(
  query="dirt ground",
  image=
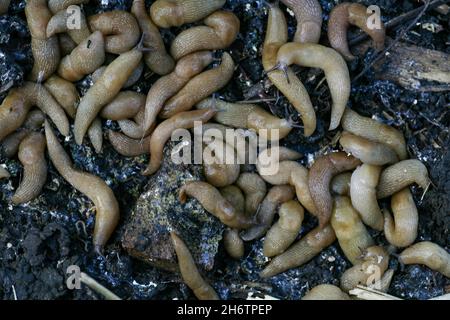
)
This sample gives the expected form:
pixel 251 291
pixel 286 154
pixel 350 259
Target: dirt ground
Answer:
pixel 40 239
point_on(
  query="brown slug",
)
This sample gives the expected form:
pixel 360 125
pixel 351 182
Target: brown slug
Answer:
pixel 320 175
pixel 66 44
pixel 294 90
pixel 429 254
pixel 134 77
pixel 212 200
pixel 301 252
pixel 174 13
pixel 340 184
pixel 326 292
pixel 400 175
pixel 363 193
pixel 266 211
pixel 345 14
pixel 107 207
pixel 95 133
pixel 59 24
pixel 351 233
pixel 401 230
pixel 126 104
pixel 233 243
pixel 158 60
pixel 219 31
pixel 4 4
pixel 126 146
pixel 120 29
pixel 189 271
pixel 333 65
pixel 234 196
pixel 373 130
pixel 58 5
pixel 4 174
pixel 32 157
pixel 254 189
pixel 284 232
pixel 64 92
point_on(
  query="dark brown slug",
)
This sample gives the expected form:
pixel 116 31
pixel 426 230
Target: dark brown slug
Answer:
pixel 66 44
pixel 126 146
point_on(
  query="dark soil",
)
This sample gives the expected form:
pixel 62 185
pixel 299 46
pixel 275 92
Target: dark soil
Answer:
pixel 40 239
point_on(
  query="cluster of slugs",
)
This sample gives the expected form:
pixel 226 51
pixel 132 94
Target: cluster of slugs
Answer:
pixel 341 189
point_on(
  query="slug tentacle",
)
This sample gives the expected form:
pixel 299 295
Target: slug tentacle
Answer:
pixel 107 207
pixel 254 189
pixel 220 30
pixel 326 292
pixel 401 175
pixel 59 24
pixel 32 157
pixel 401 231
pixel 320 175
pixel 126 146
pixel 331 62
pixel 200 87
pixel 189 271
pixel 308 14
pixel 125 105
pixel 346 14
pixel 301 252
pixel 266 211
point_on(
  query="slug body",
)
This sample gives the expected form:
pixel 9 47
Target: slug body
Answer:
pixel 104 90
pixel 66 44
pixel 301 252
pixel 351 233
pixel 64 92
pixel 363 192
pixel 213 202
pixel 220 163
pixel 4 174
pixel 58 5
pixel 266 212
pixel 4 6
pixel 254 189
pixel 294 91
pixel 340 184
pixel 326 292
pixel 126 146
pixel 429 254
pixel 367 151
pixel 401 175
pixel 320 175
pixel 308 14
pixel 125 105
pixel 120 29
pixel 220 30
pixel 15 107
pixel 373 130
pixel 346 14
pixel 162 133
pixel 59 23
pixel 401 231
pixel 200 87
pixel 174 13
pixel 284 232
pixel 189 272
pixel 32 157
pixel 158 60
pixel 233 243
pixel 334 66
pixel 107 207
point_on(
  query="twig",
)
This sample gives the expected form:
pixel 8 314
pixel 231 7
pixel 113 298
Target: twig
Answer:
pixel 97 287
pixel 365 293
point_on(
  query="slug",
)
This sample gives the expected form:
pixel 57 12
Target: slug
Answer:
pixel 401 231
pixel 373 130
pixel 15 107
pixel 369 152
pixel 345 14
pixel 59 24
pixel 84 59
pixel 126 146
pixel 326 292
pixel 134 77
pixel 45 50
pixel 284 232
pixel 64 92
pixel 174 13
pixel 189 271
pixel 166 86
pixel 58 5
pixel 107 207
pixel 234 196
pixel 163 132
pixel 375 261
pixel 429 254
pixel 126 104
pixel 320 175
pixel 4 4
pixel 95 133
pixel 301 252
pixel 200 87
pixel 219 32
pixel 331 62
pixel 213 202
pixel 4 174
pixel 104 90
pixel 351 233
pixel 363 193
pixel 249 116
pixel 340 184
pixel 254 189
pixel 400 175
pixel 66 44
pixel 32 157
pixel 158 60
pixel 120 29
pixel 266 211
pixel 233 243
pixel 294 90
